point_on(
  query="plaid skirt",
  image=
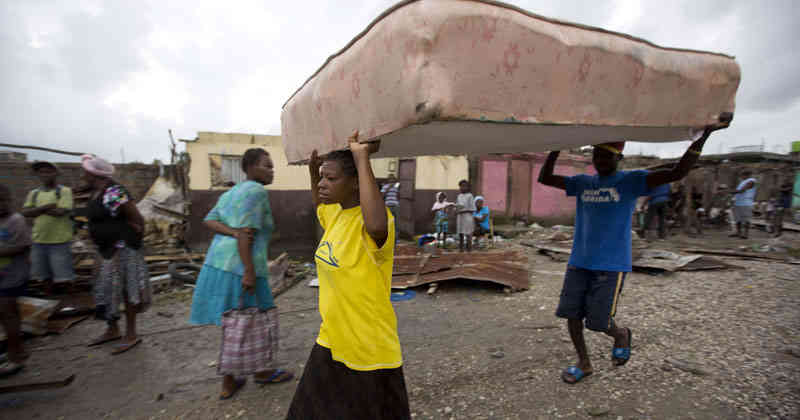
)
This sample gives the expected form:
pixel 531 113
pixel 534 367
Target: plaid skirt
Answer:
pixel 331 390
pixel 123 277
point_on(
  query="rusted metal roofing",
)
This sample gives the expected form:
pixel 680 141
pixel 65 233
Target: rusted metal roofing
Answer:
pixel 508 268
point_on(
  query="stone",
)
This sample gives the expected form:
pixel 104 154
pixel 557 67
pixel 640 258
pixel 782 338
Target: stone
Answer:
pixel 600 410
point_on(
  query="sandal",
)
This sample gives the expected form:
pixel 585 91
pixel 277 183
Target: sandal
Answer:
pixel 123 347
pixel 10 368
pixel 102 340
pixel 621 355
pixel 238 384
pixel 277 377
pixel 575 373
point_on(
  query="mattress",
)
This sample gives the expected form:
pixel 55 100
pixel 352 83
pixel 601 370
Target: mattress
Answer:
pixel 444 77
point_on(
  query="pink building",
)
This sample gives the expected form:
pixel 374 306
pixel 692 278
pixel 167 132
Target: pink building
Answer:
pixel 509 184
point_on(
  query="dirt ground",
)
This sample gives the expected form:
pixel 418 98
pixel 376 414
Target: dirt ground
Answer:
pixel 474 352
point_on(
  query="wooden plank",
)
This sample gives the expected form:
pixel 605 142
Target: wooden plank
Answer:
pixel 732 254
pixel 179 257
pixel 37 386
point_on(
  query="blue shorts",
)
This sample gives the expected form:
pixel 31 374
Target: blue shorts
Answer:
pixel 52 261
pixel 591 295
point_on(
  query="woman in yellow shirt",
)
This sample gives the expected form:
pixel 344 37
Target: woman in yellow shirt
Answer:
pixel 355 368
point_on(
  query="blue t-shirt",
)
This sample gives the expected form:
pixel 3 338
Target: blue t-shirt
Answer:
pixel 484 210
pixel 603 219
pixel 659 194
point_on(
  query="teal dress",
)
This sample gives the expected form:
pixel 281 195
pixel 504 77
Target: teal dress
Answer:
pixel 219 284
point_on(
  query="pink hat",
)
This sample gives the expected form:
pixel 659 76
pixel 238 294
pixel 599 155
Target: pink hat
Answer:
pixel 97 166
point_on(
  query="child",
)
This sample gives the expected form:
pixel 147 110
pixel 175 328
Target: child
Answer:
pixel 465 205
pixel 481 217
pixel 15 243
pixel 770 214
pixel 440 216
pixel 355 370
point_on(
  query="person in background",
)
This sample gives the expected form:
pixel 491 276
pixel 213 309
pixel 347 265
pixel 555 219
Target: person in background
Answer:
pixel 391 196
pixel 440 211
pixel 678 202
pixel 784 207
pixel 697 214
pixel 116 227
pixel 743 204
pixel 601 251
pixel 50 206
pixel 770 217
pixel 15 243
pixel 481 216
pixel 657 202
pixel 236 263
pixel 355 370
pixel 465 220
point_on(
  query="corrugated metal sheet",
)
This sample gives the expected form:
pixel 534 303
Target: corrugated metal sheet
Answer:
pixel 508 268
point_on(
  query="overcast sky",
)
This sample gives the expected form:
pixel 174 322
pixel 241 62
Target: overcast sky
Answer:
pixel 110 77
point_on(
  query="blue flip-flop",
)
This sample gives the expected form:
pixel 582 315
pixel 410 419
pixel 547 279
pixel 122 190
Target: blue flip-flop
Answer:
pixel 276 377
pixel 621 355
pixel 575 372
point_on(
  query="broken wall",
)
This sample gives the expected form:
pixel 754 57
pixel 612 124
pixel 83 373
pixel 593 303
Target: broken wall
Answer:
pixel 19 177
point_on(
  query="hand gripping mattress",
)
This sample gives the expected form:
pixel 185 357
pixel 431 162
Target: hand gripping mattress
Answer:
pixel 434 77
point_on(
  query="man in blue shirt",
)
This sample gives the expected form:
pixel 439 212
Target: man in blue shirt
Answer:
pixel 601 250
pixel 657 202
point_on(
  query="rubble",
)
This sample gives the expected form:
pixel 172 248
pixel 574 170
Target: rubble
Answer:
pixel 34 313
pixel 165 208
pixel 649 260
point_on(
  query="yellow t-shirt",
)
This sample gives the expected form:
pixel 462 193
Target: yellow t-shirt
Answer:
pixel 355 283
pixel 48 229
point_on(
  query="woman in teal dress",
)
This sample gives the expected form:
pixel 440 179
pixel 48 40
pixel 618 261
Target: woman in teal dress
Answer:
pixel 236 262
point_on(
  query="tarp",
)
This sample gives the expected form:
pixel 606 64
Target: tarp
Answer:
pixel 432 77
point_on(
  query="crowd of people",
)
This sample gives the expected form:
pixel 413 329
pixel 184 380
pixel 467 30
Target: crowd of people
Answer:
pixel 734 208
pixel 355 367
pixel 473 218
pixel 44 253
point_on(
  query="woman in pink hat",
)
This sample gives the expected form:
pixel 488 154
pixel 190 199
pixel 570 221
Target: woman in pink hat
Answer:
pixel 116 227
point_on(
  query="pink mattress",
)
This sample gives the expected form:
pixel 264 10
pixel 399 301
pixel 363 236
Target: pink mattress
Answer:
pixel 433 77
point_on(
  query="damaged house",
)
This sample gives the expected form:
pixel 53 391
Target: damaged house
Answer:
pixel 507 181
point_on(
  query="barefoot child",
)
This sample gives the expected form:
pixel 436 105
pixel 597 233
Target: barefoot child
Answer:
pixel 440 215
pixel 465 206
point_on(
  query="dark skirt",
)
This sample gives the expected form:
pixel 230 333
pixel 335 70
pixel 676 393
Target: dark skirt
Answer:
pixel 331 390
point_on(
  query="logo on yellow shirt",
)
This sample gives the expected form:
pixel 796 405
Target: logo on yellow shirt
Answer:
pixel 325 254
